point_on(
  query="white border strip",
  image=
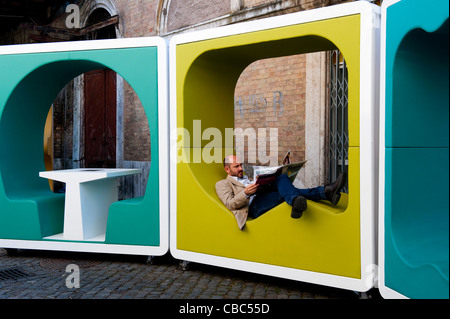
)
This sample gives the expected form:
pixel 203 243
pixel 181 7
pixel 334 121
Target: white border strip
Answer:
pixel 87 247
pixel 368 140
pixel 385 291
pixel 163 143
pixel 72 46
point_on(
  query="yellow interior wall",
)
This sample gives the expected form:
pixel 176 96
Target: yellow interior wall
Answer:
pixel 48 144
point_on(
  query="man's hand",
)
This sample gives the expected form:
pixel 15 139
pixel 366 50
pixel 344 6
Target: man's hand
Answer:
pixel 251 189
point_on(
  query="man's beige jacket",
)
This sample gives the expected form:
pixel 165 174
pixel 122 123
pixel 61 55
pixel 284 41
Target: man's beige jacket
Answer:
pixel 231 193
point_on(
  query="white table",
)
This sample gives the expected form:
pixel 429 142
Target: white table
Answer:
pixel 89 193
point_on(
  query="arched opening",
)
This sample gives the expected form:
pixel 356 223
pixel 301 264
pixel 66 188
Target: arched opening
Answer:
pixel 108 32
pixel 209 80
pixel 99 122
pixel 85 134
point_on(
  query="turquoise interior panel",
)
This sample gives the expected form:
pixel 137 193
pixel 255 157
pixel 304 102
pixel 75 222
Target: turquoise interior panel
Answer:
pixel 420 112
pixel 28 85
pixel 417 245
pixel 417 141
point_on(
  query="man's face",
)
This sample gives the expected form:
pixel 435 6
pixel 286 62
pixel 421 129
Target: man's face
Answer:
pixel 235 168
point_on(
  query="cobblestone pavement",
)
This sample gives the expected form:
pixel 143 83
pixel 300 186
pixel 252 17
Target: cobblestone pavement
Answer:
pixel 44 275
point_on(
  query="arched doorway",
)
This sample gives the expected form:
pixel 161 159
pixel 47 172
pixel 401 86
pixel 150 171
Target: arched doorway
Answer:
pixel 100 87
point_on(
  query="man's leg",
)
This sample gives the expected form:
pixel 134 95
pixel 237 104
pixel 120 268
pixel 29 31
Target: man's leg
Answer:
pixel 285 192
pixel 289 192
pixel 263 203
pixel 294 196
pixel 330 192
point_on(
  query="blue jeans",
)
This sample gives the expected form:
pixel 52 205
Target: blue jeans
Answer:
pixel 281 191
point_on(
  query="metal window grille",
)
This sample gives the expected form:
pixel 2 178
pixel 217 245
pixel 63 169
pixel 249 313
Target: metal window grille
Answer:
pixel 338 116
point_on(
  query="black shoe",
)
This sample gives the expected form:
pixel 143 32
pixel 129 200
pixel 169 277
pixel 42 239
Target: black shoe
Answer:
pixel 333 190
pixel 298 206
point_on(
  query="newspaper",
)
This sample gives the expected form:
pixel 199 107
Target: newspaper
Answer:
pixel 287 158
pixel 266 175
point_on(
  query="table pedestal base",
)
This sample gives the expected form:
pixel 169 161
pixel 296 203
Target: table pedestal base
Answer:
pixel 86 208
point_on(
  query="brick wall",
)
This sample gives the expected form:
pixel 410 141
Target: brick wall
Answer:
pixel 136 140
pixel 137 19
pixel 271 94
pixel 184 13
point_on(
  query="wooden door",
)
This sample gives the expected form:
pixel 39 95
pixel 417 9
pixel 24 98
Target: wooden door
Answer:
pixel 100 119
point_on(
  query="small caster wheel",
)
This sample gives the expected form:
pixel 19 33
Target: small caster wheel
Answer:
pixel 12 251
pixel 184 264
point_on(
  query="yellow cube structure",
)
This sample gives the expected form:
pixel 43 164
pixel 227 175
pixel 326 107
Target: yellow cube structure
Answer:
pixel 329 245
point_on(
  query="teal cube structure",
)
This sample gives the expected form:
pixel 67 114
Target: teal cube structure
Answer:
pixel 414 154
pixel 31 76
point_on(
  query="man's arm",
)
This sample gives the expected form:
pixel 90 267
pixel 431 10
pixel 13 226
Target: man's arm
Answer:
pixel 229 199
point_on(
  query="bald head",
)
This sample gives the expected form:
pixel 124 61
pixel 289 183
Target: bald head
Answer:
pixel 229 159
pixel 233 166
